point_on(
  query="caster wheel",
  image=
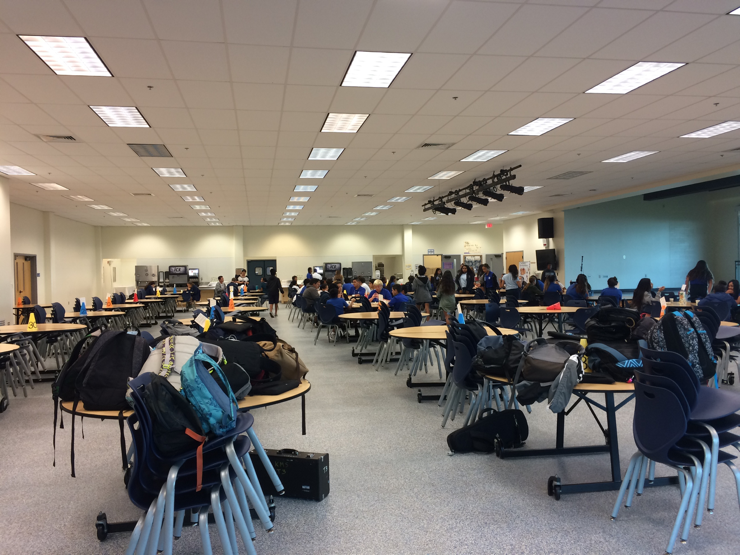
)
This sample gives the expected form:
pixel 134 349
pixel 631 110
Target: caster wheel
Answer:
pixel 4 405
pixel 556 492
pixel 497 446
pixel 418 396
pixel 127 477
pixel 731 378
pixel 553 487
pixel 359 360
pixel 408 382
pixel 101 526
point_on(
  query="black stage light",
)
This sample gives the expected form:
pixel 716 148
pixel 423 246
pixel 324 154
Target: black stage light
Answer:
pixel 495 196
pixel 478 200
pixel 444 210
pixel 512 189
pixel 464 205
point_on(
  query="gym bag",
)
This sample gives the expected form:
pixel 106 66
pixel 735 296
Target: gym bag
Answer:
pixel 293 368
pixel 508 428
pixel 498 355
pixel 175 327
pixel 611 324
pixel 543 361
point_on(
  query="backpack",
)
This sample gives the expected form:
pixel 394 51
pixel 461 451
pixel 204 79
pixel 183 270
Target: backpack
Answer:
pixel 543 361
pixel 293 368
pixel 498 355
pixel 206 387
pixel 643 327
pixel 683 333
pixel 175 327
pixel 611 324
pixel 617 360
pixel 505 429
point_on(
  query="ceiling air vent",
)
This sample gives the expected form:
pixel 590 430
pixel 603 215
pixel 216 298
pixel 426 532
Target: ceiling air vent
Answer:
pixel 435 146
pixel 151 151
pixel 57 138
pixel 733 150
pixel 559 194
pixel 142 195
pixel 361 195
pixel 568 175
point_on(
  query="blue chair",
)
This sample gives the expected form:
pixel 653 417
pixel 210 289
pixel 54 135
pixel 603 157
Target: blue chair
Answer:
pixel 414 314
pixel 607 300
pixel 576 302
pixel 550 298
pixel 97 303
pixel 509 318
pixel 26 300
pixel 40 314
pixel 493 312
pixel 328 319
pixel 721 309
pixel 462 386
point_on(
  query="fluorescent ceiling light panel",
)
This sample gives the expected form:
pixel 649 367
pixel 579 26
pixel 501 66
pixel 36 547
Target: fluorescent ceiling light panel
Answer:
pixel 382 207
pixel 14 170
pixel 172 172
pixel 200 207
pixel 343 123
pixel 532 188
pixel 360 219
pixel 414 223
pixel 117 214
pixel 210 219
pixel 120 116
pixel 634 77
pixel 142 224
pixel 374 69
pixel 736 11
pixel 50 186
pixel 519 213
pixel 540 126
pixel 183 187
pixel 714 130
pixel 483 155
pixel 284 223
pixel 80 198
pixel 287 219
pixel 294 207
pixel 398 199
pixel 99 206
pixel 325 153
pixel 313 174
pixel 130 220
pixel 419 188
pixel 204 214
pixel 187 198
pixel 67 55
pixel 214 223
pixel 445 175
pixel 305 188
pixel 431 218
pixel 299 199
pixel 290 213
pixel 370 214
pixel 634 155
pixel 351 223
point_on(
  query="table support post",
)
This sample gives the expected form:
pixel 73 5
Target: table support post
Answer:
pixel 303 414
pixel 611 423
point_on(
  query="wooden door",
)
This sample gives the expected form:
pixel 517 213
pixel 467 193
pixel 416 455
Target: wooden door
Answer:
pixel 432 262
pixel 23 277
pixel 513 257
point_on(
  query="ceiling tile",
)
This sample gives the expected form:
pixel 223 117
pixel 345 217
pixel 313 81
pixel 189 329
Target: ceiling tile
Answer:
pixel 202 94
pixel 378 123
pixel 18 58
pixel 40 89
pixel 206 118
pixel 306 98
pixel 174 118
pixel 424 124
pixel 185 137
pixel 449 103
pixel 480 73
pixel 340 23
pixel 399 25
pixel 258 64
pixel 494 103
pixel 534 74
pixel 356 100
pixel 403 101
pixel 258 120
pixel 133 58
pixel 196 20
pixel 218 136
pixel 121 19
pixel 26 114
pixel 197 60
pixel 163 93
pixel 302 121
pixel 717 7
pixel 538 104
pixel 428 71
pixel 259 21
pixel 98 91
pixel 39 17
pixel 684 77
pixel 313 66
pixel 586 75
pixel 463 125
pixel 713 36
pixel 249 96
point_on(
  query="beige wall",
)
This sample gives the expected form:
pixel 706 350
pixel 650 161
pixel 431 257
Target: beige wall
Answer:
pixel 450 239
pixel 6 253
pixel 521 235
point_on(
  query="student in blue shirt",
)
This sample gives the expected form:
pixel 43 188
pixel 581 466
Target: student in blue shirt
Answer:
pixel 552 286
pixel 579 290
pixel 720 295
pixel 336 300
pixel 379 292
pixel 309 273
pixel 150 290
pixel 399 300
pixel 348 288
pixel 488 279
pixel 611 290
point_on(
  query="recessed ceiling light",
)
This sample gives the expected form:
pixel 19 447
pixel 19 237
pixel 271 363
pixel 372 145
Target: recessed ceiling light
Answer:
pixel 325 153
pixel 430 218
pixel 151 151
pixel 130 220
pixel 214 223
pixel 294 207
pixel 305 188
pixel 419 188
pixel 360 219
pixel 370 214
pixel 479 222
pixel 634 77
pixel 99 206
pixel 313 174
pixel 200 207
pixel 351 223
pixel 483 155
pixel 210 219
pixel 188 198
pixel 414 223
pixel 67 55
pixel 80 198
pixel 142 224
pixel 736 11
pixel 374 69
pixel 171 172
pixel 398 199
pixel 299 199
pixel 290 213
pixel 120 116
pixel 343 123
pixel 284 223
pixel 631 156
pixel 183 187
pixel 287 219
pixel 14 170
pixel 532 188
pixel 50 186
pixel 382 207
pixel 117 214
pixel 204 214
pixel 444 175
pixel 714 130
pixel 519 213
pixel 540 126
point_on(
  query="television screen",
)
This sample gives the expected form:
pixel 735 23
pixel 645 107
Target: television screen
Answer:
pixel 318 269
pixel 333 267
pixel 193 272
pixel 545 257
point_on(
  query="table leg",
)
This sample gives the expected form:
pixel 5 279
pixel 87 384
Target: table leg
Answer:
pixel 303 414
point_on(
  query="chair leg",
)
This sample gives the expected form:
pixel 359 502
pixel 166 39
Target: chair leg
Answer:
pixel 245 507
pixel 264 516
pixel 637 457
pixel 179 520
pixel 445 391
pixel 230 529
pixel 234 508
pixel 710 467
pixel 252 473
pixel 205 539
pixel 265 461
pixel 153 543
pixel 218 516
pixel 681 510
pixel 136 534
pixel 145 530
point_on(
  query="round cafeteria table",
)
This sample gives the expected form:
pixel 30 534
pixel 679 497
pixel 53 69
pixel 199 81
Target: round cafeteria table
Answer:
pixel 94 314
pixel 40 328
pixel 539 313
pixel 364 337
pixel 10 369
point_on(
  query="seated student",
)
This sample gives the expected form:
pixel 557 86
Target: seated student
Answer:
pixel 552 286
pixel 348 288
pixel 391 281
pixel 531 289
pixel 232 288
pixel 644 296
pixel 733 289
pixel 335 299
pixel 399 300
pixel 323 292
pixel 194 293
pixel 364 285
pixel 719 295
pixel 611 290
pixel 357 289
pixel 379 292
pixel 151 289
pixel 311 293
pixel 540 284
pixel 580 290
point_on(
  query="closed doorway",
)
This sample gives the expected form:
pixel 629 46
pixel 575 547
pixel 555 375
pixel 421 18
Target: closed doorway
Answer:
pixel 257 269
pixel 513 257
pixel 25 277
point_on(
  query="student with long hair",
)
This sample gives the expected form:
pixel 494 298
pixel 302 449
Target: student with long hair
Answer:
pixel 733 289
pixel 699 281
pixel 551 285
pixel 512 281
pixel 644 295
pixel 446 295
pixel 436 278
pixel 580 290
pixel 465 279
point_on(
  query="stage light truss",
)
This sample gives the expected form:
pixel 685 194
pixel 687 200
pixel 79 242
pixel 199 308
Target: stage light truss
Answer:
pixel 485 186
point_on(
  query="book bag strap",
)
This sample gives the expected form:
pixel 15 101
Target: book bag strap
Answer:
pixel 198 457
pixel 124 458
pixel 613 352
pixel 168 357
pixel 72 450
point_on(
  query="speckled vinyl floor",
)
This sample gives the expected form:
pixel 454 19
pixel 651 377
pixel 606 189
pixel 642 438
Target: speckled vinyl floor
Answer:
pixel 394 489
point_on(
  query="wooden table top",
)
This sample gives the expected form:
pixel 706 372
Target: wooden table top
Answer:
pixel 485 301
pixel 122 306
pixel 437 332
pixel 249 402
pixel 372 315
pixel 543 310
pixel 680 304
pixel 148 300
pixel 245 309
pixel 616 387
pixel 94 314
pixel 168 296
pixel 728 324
pixel 30 306
pixel 42 328
pixel 8 348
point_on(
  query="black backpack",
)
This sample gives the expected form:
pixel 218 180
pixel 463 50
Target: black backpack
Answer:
pixel 611 324
pixel 493 431
pixel 498 355
pixel 615 359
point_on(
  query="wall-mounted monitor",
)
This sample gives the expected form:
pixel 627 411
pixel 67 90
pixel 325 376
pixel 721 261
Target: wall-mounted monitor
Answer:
pixel 545 257
pixel 332 268
pixel 193 272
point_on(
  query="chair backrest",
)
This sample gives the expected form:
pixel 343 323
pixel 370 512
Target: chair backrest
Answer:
pixel 566 299
pixel 141 294
pixel 382 307
pixel 449 352
pixel 40 314
pixel 327 313
pixel 719 310
pixel 57 313
pixel 512 300
pixel 659 421
pixel 710 322
pixel 493 312
pixel 579 303
pixel 367 306
pixel 97 303
pixel 581 316
pixel 479 294
pixel 469 342
pixel 509 317
pixel 606 300
pixel 463 364
pixel 666 383
pixel 670 296
pixel 677 375
pixel 655 309
pixel 383 325
pixel 77 306
pixel 414 315
pixel 26 300
pixel 551 298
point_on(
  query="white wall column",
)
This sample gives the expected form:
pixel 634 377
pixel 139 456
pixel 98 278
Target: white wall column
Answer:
pixel 238 237
pixel 7 288
pixel 408 251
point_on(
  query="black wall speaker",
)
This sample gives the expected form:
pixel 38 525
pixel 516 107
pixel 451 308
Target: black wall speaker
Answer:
pixel 545 228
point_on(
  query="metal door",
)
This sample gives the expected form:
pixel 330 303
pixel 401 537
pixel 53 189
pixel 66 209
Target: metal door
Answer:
pixel 451 262
pixel 496 263
pixel 258 269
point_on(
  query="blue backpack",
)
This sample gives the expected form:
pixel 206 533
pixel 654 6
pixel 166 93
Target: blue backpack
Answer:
pixel 209 392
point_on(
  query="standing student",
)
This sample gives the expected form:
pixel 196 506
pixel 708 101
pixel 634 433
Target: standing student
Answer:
pixel 379 292
pixel 422 290
pixel 274 288
pixel 548 272
pixel 612 290
pixel 399 300
pixel 436 278
pixel 488 279
pixel 644 296
pixel 316 275
pixel 465 279
pixel 446 296
pixel 580 290
pixel 512 281
pixel 699 281
pixel 243 277
pixel 309 273
pixel 409 285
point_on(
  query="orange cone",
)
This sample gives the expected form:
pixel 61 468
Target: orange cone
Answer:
pixel 20 301
pixel 108 302
pixel 231 304
pixel 136 297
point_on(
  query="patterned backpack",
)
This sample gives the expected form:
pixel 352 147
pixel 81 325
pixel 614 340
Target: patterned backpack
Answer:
pixel 683 333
